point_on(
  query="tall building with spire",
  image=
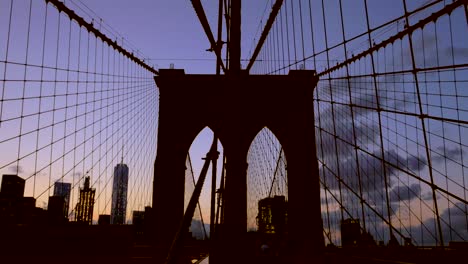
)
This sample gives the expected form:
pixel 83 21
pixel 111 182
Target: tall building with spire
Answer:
pixel 119 194
pixel 84 207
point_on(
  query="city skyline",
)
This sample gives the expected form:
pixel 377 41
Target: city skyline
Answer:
pixel 389 127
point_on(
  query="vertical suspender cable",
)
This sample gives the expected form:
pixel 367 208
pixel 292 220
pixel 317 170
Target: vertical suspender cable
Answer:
pixel 358 168
pixel 40 98
pixel 382 151
pixel 54 102
pixel 76 111
pixel 429 161
pixel 338 176
pixel 324 183
pixel 6 61
pixel 85 140
pixel 24 88
pixel 67 92
pixel 294 33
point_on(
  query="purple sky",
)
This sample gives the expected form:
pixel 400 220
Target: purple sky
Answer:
pixel 170 29
pixel 168 32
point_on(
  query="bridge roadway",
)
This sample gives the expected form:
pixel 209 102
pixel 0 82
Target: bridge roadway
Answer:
pixel 374 255
pixel 119 244
pixel 142 254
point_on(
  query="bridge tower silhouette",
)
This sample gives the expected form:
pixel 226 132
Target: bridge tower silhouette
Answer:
pixel 236 109
pixel 378 133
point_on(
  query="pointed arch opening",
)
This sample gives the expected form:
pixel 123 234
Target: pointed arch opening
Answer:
pixel 200 227
pixel 267 184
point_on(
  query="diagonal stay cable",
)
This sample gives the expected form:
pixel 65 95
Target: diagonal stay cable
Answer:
pixel 198 203
pixel 271 19
pixel 187 219
pixel 216 47
pixel 276 171
pixel 407 31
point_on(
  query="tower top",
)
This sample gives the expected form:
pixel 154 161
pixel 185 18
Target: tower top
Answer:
pixel 86 183
pixel 122 153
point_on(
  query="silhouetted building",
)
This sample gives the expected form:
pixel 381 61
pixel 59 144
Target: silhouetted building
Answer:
pixel 55 210
pixel 462 245
pixel 85 206
pixel 350 232
pixel 12 186
pixel 393 242
pixel 138 218
pixel 272 215
pixel 119 194
pixel 367 239
pixel 14 208
pixel 18 211
pixel 63 189
pixel 142 222
pixel 104 220
pixel 138 221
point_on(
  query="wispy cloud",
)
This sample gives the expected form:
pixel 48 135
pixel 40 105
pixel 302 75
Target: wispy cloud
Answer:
pixel 16 169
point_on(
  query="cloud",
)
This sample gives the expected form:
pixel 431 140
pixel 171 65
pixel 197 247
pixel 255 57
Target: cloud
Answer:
pixel 333 218
pixel 453 222
pixel 459 52
pixel 324 201
pixel 428 196
pixel 16 169
pixel 372 170
pixel 411 162
pixel 455 226
pixel 444 153
pixel 382 212
pixel 365 134
pixel 337 126
pixel 338 119
pixel 405 193
pixel 198 228
pixel 430 51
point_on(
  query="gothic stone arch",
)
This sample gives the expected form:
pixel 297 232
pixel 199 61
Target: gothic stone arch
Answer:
pixel 236 109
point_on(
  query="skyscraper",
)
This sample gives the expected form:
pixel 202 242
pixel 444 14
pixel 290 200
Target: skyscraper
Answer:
pixel 85 206
pixel 12 186
pixel 63 189
pixel 119 194
pixel 272 215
